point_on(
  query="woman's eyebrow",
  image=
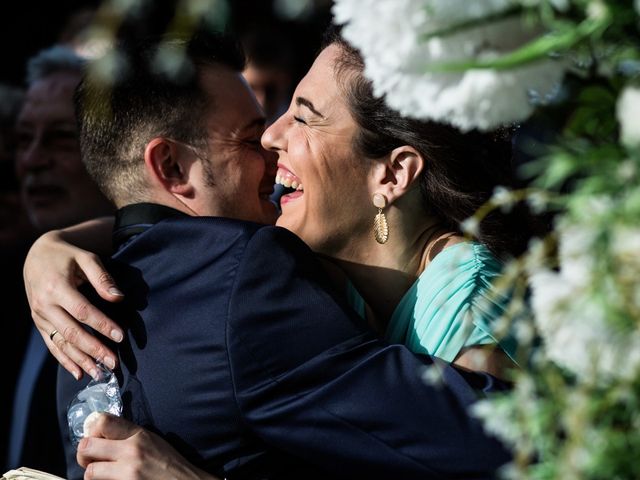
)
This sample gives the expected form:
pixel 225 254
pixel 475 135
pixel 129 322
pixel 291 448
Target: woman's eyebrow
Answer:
pixel 308 104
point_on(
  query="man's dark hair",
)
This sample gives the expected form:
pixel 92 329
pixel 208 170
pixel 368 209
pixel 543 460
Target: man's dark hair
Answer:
pixel 155 92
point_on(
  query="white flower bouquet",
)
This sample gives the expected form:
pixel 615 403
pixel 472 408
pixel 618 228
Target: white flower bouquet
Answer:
pixel 574 67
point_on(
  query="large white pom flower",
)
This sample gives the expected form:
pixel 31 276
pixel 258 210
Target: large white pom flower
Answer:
pixel 574 319
pixel 628 113
pixel 410 36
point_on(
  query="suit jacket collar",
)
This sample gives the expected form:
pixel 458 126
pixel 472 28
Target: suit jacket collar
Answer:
pixel 138 217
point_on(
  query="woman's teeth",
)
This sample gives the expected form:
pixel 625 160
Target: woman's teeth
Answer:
pixel 288 180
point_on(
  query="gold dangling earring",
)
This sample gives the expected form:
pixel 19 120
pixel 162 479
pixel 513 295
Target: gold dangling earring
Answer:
pixel 380 225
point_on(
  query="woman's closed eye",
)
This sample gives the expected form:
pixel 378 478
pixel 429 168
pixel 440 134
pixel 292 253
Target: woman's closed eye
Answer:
pixel 299 120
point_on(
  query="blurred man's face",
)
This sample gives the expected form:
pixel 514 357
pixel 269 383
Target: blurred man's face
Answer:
pixel 15 227
pixel 271 86
pixel 55 187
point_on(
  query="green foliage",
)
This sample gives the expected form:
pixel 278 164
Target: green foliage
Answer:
pixel 562 421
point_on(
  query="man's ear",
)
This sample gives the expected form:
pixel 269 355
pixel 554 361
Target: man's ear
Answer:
pixel 398 173
pixel 168 166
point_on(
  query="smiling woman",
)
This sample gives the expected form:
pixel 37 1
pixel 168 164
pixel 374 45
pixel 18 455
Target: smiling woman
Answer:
pixel 314 142
pixel 339 147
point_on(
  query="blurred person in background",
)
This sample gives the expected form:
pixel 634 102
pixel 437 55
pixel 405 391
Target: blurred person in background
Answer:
pixel 15 229
pixel 56 191
pixel 270 69
pixel 55 187
pixel 16 235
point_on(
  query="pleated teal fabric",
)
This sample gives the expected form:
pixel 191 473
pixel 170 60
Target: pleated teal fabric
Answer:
pixel 452 305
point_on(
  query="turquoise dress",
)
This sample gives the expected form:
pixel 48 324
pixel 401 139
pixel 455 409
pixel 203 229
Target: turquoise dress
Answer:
pixel 452 305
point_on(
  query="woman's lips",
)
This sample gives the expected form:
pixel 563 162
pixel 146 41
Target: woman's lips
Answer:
pixel 291 196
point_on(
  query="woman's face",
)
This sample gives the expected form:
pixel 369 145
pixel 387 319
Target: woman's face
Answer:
pixel 331 204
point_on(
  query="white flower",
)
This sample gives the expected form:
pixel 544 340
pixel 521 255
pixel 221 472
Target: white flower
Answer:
pixel 572 316
pixel 592 207
pixel 411 37
pixel 626 244
pixel 500 415
pixel 471 226
pixel 571 326
pixel 561 5
pixel 123 7
pixel 628 113
pixel 503 197
pixel 597 10
pixel 625 251
pixel 536 256
pixel 537 201
pixel 110 66
pixel 524 332
pixel 429 15
pixel 433 374
pixel 496 418
pixel 575 252
pixel 627 170
pixel 95 43
pixel 293 9
pixel 200 8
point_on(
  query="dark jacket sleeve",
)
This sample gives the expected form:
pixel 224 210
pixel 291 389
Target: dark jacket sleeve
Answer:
pixel 311 380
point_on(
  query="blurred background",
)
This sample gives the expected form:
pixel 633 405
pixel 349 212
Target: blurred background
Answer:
pixel 280 37
pixel 31 25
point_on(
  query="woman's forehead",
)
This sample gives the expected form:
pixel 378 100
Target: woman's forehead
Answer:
pixel 325 63
pixel 320 85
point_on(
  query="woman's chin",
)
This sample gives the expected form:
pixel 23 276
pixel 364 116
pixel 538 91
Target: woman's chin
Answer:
pixel 287 220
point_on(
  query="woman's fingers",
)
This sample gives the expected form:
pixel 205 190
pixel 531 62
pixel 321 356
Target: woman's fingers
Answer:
pixel 75 356
pixel 74 342
pixel 53 271
pixel 67 363
pixel 93 271
pixel 68 298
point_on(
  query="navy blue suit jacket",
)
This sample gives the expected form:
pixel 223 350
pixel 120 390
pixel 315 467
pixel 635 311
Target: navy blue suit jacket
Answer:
pixel 240 355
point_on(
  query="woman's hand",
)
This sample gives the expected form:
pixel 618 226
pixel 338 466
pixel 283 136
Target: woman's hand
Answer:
pixel 53 271
pixel 120 450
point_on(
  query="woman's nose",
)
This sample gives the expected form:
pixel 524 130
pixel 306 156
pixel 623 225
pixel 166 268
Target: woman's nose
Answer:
pixel 273 137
